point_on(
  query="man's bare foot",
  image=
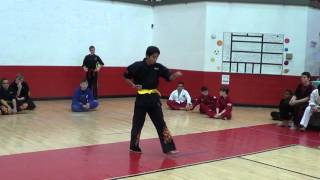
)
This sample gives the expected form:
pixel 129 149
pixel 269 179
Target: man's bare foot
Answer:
pixel 283 124
pixel 302 129
pixel 173 152
pixel 293 127
pixel 135 150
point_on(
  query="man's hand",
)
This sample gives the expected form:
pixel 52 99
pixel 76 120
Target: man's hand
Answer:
pixel 178 74
pixel 97 69
pixel 188 107
pixel 175 75
pixel 292 103
pixel 85 69
pixel 137 86
pixel 314 109
pixel 86 106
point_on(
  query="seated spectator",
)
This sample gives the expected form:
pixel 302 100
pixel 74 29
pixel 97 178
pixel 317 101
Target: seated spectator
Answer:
pixel 20 90
pixel 224 106
pixel 206 101
pixel 83 99
pixel 179 99
pixel 314 107
pixel 7 100
pixel 285 110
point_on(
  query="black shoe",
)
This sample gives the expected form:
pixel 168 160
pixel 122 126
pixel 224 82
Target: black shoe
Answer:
pixel 135 149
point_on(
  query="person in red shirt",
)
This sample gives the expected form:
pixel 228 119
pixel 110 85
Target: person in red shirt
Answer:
pixel 223 106
pixel 206 101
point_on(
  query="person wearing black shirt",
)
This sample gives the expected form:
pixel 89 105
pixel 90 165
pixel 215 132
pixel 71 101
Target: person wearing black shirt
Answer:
pixel 144 77
pixel 285 112
pixel 300 99
pixel 91 65
pixel 21 92
pixel 8 102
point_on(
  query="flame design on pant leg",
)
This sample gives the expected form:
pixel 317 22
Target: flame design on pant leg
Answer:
pixel 137 140
pixel 167 136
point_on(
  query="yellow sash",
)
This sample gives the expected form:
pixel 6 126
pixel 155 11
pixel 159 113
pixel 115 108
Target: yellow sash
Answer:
pixel 148 91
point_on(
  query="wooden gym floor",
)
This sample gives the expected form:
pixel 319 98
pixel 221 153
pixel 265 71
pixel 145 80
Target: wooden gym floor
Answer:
pixel 54 143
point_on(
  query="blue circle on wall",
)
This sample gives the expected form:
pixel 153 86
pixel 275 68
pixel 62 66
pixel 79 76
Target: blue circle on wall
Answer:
pixel 286 49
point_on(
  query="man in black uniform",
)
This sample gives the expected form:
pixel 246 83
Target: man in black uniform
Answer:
pixel 20 90
pixel 144 76
pixel 91 65
pixel 8 103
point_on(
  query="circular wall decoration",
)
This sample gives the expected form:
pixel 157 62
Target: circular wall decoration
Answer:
pixel 220 43
pixel 286 63
pixel 213 36
pixel 287 40
pixel 286 49
pixel 286 71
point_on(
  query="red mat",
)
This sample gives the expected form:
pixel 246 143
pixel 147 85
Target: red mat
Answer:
pixel 113 160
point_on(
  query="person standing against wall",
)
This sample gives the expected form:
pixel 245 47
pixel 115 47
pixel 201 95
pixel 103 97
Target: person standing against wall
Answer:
pixel 92 64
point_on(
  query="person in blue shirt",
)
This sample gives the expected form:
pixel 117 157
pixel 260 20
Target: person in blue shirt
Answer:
pixel 83 99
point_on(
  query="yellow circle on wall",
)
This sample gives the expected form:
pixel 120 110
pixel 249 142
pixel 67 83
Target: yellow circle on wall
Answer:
pixel 220 43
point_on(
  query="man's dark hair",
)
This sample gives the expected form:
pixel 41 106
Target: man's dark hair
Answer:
pixel 3 79
pixel 306 74
pixel 289 91
pixel 204 88
pixel 152 50
pixel 19 76
pixel 224 89
pixel 91 47
pixel 83 81
pixel 181 83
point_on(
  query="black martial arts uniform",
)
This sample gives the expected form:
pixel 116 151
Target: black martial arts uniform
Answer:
pixel 91 62
pixel 24 93
pixel 285 111
pixel 148 76
pixel 7 96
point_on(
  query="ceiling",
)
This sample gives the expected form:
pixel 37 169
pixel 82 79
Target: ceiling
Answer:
pixel 310 3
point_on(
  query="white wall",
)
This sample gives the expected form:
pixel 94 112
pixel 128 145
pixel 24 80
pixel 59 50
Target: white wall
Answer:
pixel 257 18
pixel 59 32
pixel 179 32
pixel 183 31
pixel 313 35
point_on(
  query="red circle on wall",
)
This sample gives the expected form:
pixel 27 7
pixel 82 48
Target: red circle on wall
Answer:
pixel 287 40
